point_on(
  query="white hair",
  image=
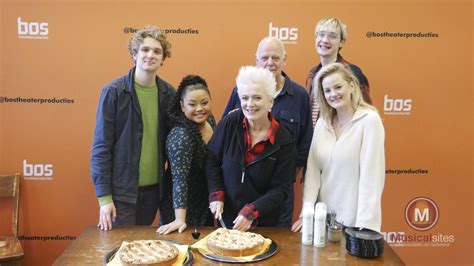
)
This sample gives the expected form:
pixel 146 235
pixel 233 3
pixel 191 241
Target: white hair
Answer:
pixel 255 76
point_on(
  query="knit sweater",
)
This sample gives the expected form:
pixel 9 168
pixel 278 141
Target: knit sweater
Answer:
pixel 348 173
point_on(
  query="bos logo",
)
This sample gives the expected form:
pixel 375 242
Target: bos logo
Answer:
pixel 37 171
pixel 397 106
pixel 32 30
pixel 286 35
pixel 394 237
pixel 421 214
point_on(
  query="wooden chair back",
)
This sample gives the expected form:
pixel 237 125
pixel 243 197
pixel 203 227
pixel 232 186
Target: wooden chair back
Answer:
pixel 10 188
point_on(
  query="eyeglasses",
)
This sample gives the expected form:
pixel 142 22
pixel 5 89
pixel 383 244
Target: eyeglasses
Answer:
pixel 330 35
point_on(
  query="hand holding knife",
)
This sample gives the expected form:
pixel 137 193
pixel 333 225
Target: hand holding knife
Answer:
pixel 217 207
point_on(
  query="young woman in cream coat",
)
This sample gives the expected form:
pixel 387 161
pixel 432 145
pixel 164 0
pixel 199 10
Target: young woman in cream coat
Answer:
pixel 346 163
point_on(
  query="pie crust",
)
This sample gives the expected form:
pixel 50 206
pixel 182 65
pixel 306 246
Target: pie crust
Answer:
pixel 234 243
pixel 148 252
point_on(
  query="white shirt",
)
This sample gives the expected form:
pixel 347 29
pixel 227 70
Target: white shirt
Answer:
pixel 348 173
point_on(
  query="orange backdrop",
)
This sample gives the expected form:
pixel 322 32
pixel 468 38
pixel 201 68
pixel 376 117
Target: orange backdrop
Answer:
pixel 64 53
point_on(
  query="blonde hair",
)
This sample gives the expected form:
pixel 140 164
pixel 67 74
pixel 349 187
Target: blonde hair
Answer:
pixel 357 101
pixel 332 23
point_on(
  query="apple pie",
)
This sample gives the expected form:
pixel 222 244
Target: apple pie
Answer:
pixel 148 252
pixel 234 243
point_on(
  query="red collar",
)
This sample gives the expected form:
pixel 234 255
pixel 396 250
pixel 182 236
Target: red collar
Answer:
pixel 274 126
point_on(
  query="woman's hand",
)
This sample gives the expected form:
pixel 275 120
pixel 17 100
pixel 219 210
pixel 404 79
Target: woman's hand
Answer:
pixel 296 227
pixel 241 223
pixel 217 207
pixel 177 224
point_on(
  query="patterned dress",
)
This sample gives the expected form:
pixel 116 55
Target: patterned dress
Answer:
pixel 188 189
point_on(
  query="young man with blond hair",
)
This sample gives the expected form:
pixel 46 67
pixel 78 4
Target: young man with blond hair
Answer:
pixel 331 36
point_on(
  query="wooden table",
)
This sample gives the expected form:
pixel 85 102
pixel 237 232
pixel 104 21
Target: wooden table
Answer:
pixel 92 245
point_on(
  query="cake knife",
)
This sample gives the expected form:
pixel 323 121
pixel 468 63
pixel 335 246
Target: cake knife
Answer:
pixel 221 221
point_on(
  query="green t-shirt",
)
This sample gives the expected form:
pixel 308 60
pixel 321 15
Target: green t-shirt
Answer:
pixel 148 168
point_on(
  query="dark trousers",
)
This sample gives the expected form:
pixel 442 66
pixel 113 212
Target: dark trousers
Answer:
pixel 286 213
pixel 141 213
